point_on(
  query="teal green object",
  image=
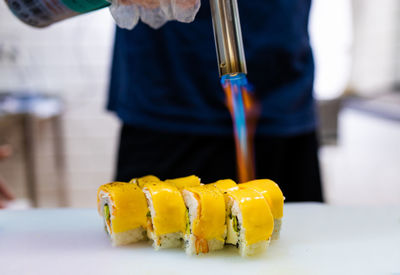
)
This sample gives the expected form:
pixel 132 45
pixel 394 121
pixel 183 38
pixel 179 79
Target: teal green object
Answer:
pixel 84 6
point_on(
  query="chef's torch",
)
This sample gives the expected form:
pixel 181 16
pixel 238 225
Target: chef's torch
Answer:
pixel 228 37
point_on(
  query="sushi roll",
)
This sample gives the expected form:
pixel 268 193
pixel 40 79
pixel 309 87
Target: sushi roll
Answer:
pixel 166 218
pixel 181 183
pixel 224 185
pixel 275 199
pixel 205 220
pixel 123 208
pixel 143 180
pixel 249 222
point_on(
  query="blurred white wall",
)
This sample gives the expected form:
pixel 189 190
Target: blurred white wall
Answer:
pixel 70 59
pixel 356 45
pixel 331 38
pixel 376 46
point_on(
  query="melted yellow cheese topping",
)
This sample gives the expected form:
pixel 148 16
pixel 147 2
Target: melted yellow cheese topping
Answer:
pixel 257 219
pixel 272 194
pixel 143 180
pixel 169 207
pixel 210 220
pixel 128 208
pixel 224 185
pixel 181 183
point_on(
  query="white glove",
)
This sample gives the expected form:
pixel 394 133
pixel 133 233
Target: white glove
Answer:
pixel 154 13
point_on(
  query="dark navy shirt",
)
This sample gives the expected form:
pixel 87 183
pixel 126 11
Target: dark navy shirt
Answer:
pixel 167 79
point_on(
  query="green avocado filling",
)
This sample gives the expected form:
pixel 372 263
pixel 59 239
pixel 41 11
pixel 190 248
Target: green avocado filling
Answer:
pixel 106 212
pixel 235 224
pixel 148 215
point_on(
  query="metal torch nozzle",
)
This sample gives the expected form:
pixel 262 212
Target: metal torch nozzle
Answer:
pixel 228 37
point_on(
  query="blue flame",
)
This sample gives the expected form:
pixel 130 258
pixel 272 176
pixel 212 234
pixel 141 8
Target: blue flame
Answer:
pixel 237 83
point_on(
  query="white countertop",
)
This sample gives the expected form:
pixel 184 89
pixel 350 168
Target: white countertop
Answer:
pixel 315 239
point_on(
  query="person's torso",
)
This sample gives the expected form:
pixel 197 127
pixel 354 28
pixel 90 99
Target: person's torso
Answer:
pixel 168 78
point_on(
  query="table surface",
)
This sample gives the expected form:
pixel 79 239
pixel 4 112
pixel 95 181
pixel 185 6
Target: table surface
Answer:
pixel 315 239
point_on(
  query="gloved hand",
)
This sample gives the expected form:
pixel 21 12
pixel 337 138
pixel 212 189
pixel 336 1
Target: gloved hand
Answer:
pixel 155 13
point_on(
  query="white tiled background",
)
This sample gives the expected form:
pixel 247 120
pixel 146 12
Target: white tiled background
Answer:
pixel 71 59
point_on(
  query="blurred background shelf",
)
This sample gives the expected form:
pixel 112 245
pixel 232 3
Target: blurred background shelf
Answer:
pixel 32 125
pixel 362 165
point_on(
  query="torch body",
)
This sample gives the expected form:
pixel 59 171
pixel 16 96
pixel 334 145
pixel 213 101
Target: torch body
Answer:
pixel 228 37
